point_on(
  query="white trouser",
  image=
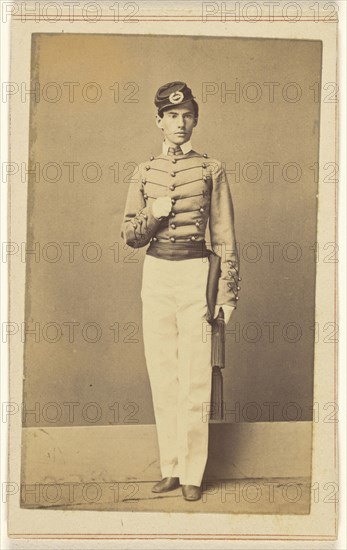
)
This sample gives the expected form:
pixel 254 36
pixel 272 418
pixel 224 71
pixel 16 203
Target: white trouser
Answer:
pixel 178 354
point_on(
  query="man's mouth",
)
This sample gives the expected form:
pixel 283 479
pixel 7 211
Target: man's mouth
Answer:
pixel 180 133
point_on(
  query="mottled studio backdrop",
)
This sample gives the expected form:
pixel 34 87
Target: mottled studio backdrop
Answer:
pixel 92 121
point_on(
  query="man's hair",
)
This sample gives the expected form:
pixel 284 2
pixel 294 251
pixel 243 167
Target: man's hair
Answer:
pixel 195 109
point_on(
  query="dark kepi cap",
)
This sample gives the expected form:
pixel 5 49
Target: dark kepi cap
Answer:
pixel 173 93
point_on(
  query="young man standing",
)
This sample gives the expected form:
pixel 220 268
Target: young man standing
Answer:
pixel 171 200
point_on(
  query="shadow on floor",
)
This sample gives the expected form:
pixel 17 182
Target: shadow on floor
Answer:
pixel 241 496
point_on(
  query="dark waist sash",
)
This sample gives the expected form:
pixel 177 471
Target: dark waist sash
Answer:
pixel 178 250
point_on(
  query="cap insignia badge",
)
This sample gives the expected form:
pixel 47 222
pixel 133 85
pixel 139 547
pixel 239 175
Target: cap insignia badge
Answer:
pixel 176 97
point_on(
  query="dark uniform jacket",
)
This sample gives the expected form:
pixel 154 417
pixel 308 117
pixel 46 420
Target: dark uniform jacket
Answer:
pixel 200 195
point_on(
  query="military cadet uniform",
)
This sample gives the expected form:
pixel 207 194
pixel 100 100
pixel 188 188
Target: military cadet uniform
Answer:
pixel 175 271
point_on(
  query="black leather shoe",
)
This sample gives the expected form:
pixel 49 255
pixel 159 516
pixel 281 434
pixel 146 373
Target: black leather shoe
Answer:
pixel 191 492
pixel 166 484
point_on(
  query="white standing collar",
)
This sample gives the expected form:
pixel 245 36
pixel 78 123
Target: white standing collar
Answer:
pixel 186 147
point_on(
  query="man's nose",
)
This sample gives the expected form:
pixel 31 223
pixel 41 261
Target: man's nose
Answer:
pixel 181 122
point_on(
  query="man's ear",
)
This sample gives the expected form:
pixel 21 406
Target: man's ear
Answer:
pixel 159 121
pixel 195 122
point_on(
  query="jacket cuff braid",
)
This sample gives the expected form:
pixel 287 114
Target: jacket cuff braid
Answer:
pixel 139 230
pixel 228 286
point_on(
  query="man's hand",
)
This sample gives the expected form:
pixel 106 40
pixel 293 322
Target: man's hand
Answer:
pixel 161 207
pixel 227 310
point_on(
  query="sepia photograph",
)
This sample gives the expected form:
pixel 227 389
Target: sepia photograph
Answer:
pixel 177 277
pixel 119 296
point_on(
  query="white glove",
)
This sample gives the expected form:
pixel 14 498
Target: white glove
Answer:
pixel 161 207
pixel 227 310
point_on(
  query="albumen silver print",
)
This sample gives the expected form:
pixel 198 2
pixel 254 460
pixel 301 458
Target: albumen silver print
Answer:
pixel 176 258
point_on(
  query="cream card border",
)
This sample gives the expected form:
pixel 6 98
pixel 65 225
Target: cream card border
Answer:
pixel 321 523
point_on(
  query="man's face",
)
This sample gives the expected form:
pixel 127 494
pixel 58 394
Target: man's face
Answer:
pixel 177 123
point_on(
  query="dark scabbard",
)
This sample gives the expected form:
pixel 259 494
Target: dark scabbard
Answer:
pixel 214 273
pixel 218 363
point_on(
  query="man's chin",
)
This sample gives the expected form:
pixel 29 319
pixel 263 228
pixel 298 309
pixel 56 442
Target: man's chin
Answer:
pixel 179 140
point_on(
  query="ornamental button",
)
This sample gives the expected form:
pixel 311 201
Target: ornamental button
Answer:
pixel 205 155
pixel 145 216
pixel 155 239
pixel 173 174
pixel 172 187
pixel 236 297
pixel 145 196
pixel 151 157
pixel 147 166
pixel 174 161
pixel 173 214
pixel 172 239
pixel 192 238
pixel 239 279
pixel 204 165
pixel 173 201
pixel 144 181
pixel 173 226
pixel 201 209
pixel 204 178
pixel 238 288
pixel 197 224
